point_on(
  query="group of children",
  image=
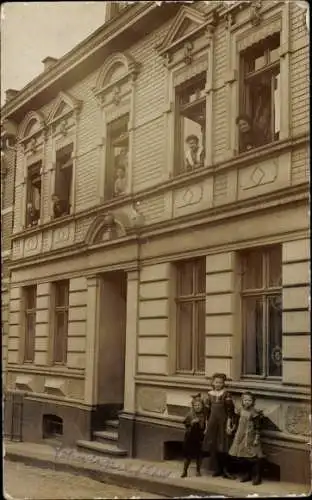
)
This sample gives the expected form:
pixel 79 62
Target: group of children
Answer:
pixel 216 428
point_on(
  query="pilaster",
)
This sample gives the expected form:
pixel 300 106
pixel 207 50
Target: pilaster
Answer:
pixel 221 341
pixel 131 340
pixel 92 340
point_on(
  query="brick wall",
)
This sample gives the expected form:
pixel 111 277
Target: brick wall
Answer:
pixel 7 192
pixel 299 71
pixel 300 165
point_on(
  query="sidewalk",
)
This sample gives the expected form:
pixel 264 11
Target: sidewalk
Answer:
pixel 161 478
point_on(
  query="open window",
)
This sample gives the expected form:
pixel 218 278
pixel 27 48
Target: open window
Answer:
pixel 117 157
pixel 63 181
pixel 259 121
pixel 33 199
pixel 190 124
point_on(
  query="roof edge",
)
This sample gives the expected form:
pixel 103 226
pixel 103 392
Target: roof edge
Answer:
pixel 100 37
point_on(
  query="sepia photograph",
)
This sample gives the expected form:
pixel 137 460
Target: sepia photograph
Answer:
pixel 155 249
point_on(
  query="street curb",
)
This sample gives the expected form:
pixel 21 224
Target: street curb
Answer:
pixel 153 485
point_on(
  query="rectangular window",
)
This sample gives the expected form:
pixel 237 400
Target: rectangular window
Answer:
pixel 61 291
pixel 259 120
pixel 191 315
pixel 33 200
pixel 117 157
pixel 30 293
pixel 63 181
pixel 262 312
pixel 190 124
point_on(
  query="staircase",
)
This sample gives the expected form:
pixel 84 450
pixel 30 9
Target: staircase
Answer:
pixel 104 442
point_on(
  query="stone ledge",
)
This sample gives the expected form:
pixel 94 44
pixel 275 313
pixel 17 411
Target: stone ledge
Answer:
pixel 156 477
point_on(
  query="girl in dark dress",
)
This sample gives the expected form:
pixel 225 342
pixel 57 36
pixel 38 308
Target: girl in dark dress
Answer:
pixel 194 422
pixel 220 412
pixel 246 446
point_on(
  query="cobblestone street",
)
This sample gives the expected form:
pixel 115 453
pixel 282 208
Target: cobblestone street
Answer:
pixel 23 481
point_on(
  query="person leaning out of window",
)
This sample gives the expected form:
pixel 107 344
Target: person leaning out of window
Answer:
pixel 251 134
pixel 194 157
pixel 60 207
pixel 33 215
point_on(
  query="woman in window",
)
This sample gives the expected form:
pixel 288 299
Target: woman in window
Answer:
pixel 246 136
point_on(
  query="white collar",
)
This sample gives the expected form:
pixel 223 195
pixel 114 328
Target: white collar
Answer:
pixel 197 156
pixel 217 393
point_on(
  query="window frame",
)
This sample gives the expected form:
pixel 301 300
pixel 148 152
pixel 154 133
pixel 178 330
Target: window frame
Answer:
pixel 29 339
pixel 29 189
pixel 274 68
pixel 62 309
pixel 122 141
pixel 264 293
pixel 60 166
pixel 194 298
pixel 179 166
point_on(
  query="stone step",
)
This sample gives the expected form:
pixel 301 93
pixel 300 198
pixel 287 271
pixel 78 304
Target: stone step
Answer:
pixel 114 424
pixel 101 448
pixel 103 436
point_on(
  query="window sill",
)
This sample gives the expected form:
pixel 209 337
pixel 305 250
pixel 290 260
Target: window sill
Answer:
pixel 53 223
pixel 270 389
pixel 52 370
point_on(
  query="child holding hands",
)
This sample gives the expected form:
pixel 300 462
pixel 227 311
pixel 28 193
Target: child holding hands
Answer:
pixel 246 444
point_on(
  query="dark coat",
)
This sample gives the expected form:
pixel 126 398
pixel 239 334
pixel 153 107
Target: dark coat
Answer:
pixel 194 434
pixel 219 409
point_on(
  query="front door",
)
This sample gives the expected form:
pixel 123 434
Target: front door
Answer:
pixel 112 339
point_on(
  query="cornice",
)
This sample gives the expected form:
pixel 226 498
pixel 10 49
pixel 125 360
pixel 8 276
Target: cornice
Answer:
pixel 268 201
pixel 260 388
pixel 177 182
pixel 82 51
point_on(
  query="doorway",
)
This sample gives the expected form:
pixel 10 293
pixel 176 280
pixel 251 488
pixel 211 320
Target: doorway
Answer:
pixel 112 342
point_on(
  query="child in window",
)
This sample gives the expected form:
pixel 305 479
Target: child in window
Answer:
pixel 246 444
pixel 220 414
pixel 194 422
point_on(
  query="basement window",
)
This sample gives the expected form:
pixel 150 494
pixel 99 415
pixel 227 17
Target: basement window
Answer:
pixel 52 426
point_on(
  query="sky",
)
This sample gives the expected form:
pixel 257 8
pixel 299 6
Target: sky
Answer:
pixel 32 31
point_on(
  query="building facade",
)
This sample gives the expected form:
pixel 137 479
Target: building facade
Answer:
pixel 8 134
pixel 161 227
